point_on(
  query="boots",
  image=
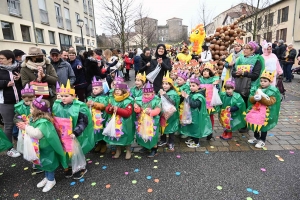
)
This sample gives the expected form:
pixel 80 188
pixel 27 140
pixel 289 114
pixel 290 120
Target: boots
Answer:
pixel 98 147
pixel 128 152
pixel 228 136
pixel 103 148
pixel 224 134
pixel 118 152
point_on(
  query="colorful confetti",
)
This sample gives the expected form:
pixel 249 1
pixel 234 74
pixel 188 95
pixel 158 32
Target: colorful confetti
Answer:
pixel 207 152
pixel 81 180
pixel 136 170
pixel 263 169
pixel 149 177
pixel 1 174
pixel 255 192
pixel 93 184
pixel 249 198
pixel 13 165
pixel 155 161
pixel 149 190
pixel 249 190
pixel 219 187
pixel 104 167
pixel 75 196
pixel 101 156
pixel 134 182
pixel 126 173
pixel 155 167
pixel 90 162
pixel 178 156
pixel 72 183
pixel 107 186
pixel 25 168
pixel 16 195
pixel 177 173
pixel 291 152
pixel 97 163
pixel 156 180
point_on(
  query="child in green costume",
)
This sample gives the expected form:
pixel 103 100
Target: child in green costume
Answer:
pixel 262 114
pixel 170 125
pixel 121 106
pixel 148 109
pixel 4 142
pixel 97 103
pixel 231 112
pixel 46 142
pixel 137 91
pixel 71 118
pixel 201 124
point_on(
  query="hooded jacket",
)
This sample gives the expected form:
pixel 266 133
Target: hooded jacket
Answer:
pixel 79 74
pixel 64 72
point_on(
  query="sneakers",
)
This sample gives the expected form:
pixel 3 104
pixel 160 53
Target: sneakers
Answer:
pixel 184 136
pixel 13 153
pixel 193 145
pixel 260 144
pixel 68 173
pixel 171 147
pixel 189 141
pixel 153 153
pixel 49 185
pixel 161 143
pixel 209 136
pixel 244 130
pixel 252 141
pixel 37 171
pixel 143 150
pixel 42 183
pixel 79 174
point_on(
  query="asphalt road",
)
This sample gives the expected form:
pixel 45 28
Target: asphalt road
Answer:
pixel 200 175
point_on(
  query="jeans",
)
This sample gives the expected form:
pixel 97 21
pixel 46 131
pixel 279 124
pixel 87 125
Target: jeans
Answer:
pixel 262 136
pixel 49 176
pixel 15 131
pixel 287 71
pixel 8 111
pixel 171 138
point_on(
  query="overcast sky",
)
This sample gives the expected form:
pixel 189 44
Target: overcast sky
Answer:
pixel 184 9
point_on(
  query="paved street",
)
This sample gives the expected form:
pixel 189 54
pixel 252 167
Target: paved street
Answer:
pixel 212 172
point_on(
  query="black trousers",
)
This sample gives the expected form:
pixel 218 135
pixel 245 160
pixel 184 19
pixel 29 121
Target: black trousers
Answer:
pixel 127 74
pixel 171 138
pixel 196 140
pixel 262 136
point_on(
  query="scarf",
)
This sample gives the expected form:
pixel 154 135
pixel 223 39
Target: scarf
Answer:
pixel 92 59
pixel 121 97
pixel 33 66
pixel 9 67
pixel 148 99
pixel 236 55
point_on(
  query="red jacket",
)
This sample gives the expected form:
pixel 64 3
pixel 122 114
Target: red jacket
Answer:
pixel 128 62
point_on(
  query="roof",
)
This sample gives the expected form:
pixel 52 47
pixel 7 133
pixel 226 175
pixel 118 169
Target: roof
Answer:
pixel 174 18
pixel 233 15
pixel 231 8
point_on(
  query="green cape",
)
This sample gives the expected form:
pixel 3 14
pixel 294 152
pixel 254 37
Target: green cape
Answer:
pixel 128 128
pixel 173 121
pixel 209 80
pixel 51 150
pixel 238 119
pixel 86 139
pixel 185 87
pixel 201 124
pixel 5 144
pixel 154 103
pixel 135 92
pixel 22 109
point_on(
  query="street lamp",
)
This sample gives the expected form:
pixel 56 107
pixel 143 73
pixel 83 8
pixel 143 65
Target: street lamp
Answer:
pixel 80 23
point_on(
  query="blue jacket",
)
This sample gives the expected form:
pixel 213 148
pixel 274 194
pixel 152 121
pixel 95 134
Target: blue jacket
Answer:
pixel 137 63
pixel 79 74
pixel 64 72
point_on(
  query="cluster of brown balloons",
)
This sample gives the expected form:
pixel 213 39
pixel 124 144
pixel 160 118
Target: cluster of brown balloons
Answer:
pixel 224 36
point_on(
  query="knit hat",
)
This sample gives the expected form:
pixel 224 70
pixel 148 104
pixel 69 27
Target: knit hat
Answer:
pixel 183 75
pixel 253 45
pixel 121 86
pixel 28 90
pixel 141 77
pixel 67 89
pixel 194 79
pixel 148 88
pixel 40 105
pixel 96 83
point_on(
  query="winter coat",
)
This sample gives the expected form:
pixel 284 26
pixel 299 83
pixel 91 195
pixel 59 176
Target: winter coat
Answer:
pixel 92 70
pixel 79 74
pixel 144 61
pixel 281 48
pixel 64 72
pixel 128 62
pixel 291 57
pixel 137 63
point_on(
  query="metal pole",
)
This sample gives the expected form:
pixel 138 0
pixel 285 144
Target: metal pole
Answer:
pixel 33 25
pixel 81 37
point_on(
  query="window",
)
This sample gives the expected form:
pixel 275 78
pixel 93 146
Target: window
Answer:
pixel 285 14
pixel 91 23
pixel 7 30
pixel 40 36
pixel 266 21
pixel 67 18
pixel 42 4
pixel 65 39
pixel 278 16
pixel 248 39
pixel 249 26
pixel 43 12
pixel 271 19
pixel 268 36
pixel 59 18
pixel 281 34
pixel 51 37
pixel 77 16
pixel 258 23
pixel 179 23
pixel 14 7
pixel 258 38
pixel 25 33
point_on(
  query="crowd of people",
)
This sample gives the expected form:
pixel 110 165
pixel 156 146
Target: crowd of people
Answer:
pixel 68 102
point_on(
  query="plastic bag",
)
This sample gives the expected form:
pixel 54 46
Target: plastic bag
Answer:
pixel 152 75
pixel 110 129
pixel 186 114
pixel 20 143
pixel 215 100
pixel 78 158
pixel 28 151
pixel 167 108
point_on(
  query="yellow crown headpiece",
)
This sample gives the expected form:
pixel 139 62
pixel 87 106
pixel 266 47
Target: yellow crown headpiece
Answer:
pixel 268 75
pixel 67 89
pixel 209 65
pixel 167 78
pixel 141 77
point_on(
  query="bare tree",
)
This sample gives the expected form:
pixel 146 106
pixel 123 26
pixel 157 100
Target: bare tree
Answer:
pixel 117 18
pixel 205 15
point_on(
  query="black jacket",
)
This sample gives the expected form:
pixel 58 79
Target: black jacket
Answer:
pixel 144 61
pixel 281 48
pixel 8 92
pixel 291 57
pixel 92 69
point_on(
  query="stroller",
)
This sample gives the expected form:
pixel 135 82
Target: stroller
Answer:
pixel 280 87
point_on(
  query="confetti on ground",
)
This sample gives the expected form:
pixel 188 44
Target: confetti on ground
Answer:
pixel 265 148
pixel 81 180
pixel 1 174
pixel 277 156
pixel 25 168
pixel 155 167
pixel 13 165
pixel 104 167
pixel 178 156
pixel 88 159
pixel 97 163
pixel 72 183
pixel 75 196
pixel 291 152
pixel 16 195
pixel 139 157
pixel 217 137
pixel 101 156
pixel 155 160
pixel 238 145
pixel 249 198
pixel 126 173
pixel 149 190
pixel 93 184
pixel 107 186
pixel 243 136
pixel 33 173
pixel 136 170
pixel 207 152
pixel 90 162
pixel 177 173
pixel 219 187
pixel 156 180
pixel 263 169
pixel 255 192
pixel 212 147
pixel 136 156
pixel 149 177
pixel 249 190
pixel 134 182
pixel 270 134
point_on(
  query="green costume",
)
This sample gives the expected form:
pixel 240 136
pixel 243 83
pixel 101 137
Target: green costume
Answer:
pixel 201 124
pixel 251 60
pixel 135 92
pixel 273 110
pixel 22 109
pixel 237 120
pixel 173 121
pixel 51 150
pixel 184 87
pixel 5 144
pixel 124 125
pixel 86 139
pixel 154 103
pixel 210 80
pixel 99 117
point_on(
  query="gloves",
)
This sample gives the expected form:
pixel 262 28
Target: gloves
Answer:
pixel 257 97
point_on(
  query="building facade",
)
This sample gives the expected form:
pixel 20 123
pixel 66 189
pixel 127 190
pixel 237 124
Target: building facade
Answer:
pixel 47 24
pixel 147 29
pixel 173 31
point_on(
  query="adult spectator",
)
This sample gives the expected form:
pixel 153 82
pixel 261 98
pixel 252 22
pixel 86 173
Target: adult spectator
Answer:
pixel 10 93
pixel 81 56
pixel 259 50
pixel 289 56
pixel 80 84
pixel 63 69
pixel 274 47
pixel 92 67
pixel 256 63
pixel 64 55
pixel 37 67
pixel 99 54
pixel 163 62
pixel 281 48
pixel 137 61
pixel 131 53
pixel 145 60
pixel 128 62
pixel 18 55
pixel 111 62
pixel 205 55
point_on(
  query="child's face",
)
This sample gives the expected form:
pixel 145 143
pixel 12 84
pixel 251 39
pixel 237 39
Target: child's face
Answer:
pixel 118 92
pixel 67 98
pixel 180 81
pixel 138 83
pixel 148 94
pixel 173 76
pixel 229 91
pixel 28 100
pixel 97 90
pixel 166 86
pixel 112 85
pixel 58 96
pixel 264 83
pixel 206 74
pixel 194 87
